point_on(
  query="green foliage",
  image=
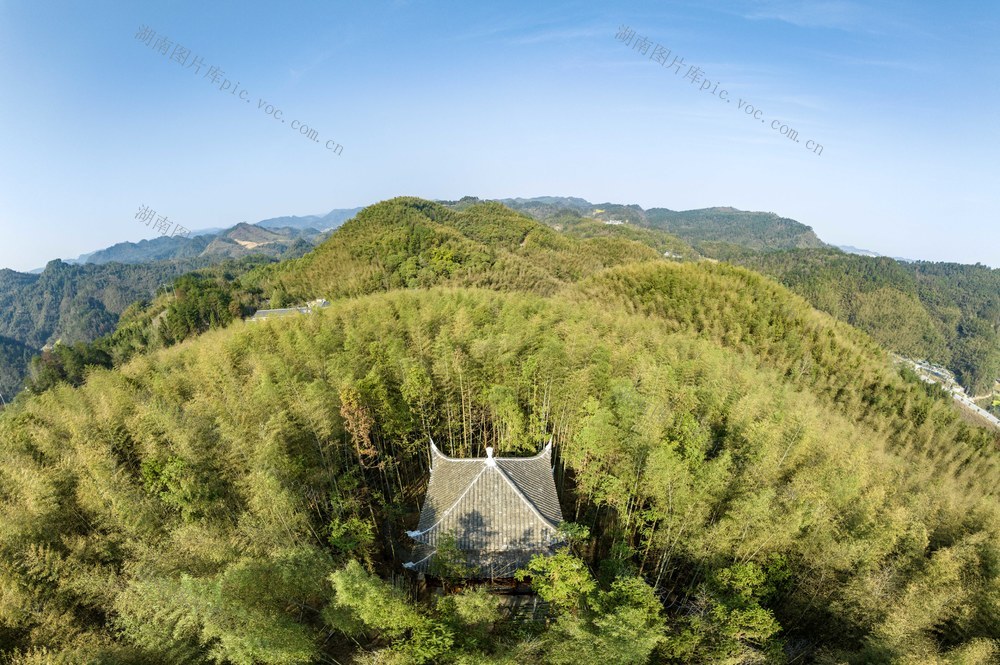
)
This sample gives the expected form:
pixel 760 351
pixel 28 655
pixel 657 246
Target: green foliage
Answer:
pixel 725 622
pixel 758 481
pixel 472 613
pixel 449 563
pixel 352 536
pixel 574 534
pixel 751 230
pixel 197 302
pixel 410 243
pixel 622 624
pixel 946 312
pixel 65 363
pixel 77 303
pixel 255 611
pixel 361 599
pixel 15 358
pixel 670 230
pixel 561 579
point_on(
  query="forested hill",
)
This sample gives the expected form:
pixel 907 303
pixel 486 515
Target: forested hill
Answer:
pixel 946 312
pixel 75 303
pixel 709 226
pixel 407 243
pixel 750 479
pixel 753 230
pixel 70 303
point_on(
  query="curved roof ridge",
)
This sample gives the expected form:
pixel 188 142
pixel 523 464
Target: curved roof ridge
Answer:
pixel 544 451
pixel 529 502
pixel 435 451
pixel 444 513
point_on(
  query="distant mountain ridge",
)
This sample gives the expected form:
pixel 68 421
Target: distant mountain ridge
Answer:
pixel 81 299
pixel 745 229
pixel 241 240
pixel 751 230
pixel 850 249
pixel 331 220
pixel 272 237
pixel 73 303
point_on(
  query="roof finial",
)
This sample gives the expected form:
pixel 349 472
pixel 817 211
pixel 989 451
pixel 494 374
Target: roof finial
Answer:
pixel 489 456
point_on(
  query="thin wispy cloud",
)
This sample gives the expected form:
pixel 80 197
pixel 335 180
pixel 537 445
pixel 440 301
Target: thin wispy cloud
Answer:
pixel 319 59
pixel 844 15
pixel 859 61
pixel 824 14
pixel 560 35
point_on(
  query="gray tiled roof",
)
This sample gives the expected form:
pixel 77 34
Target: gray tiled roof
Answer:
pixel 261 314
pixel 501 511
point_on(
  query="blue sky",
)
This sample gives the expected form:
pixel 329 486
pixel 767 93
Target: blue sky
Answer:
pixel 446 99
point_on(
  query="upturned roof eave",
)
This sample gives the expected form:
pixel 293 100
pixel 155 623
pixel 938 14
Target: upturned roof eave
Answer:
pixel 437 451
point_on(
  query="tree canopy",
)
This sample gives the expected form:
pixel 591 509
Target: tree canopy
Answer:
pixel 752 480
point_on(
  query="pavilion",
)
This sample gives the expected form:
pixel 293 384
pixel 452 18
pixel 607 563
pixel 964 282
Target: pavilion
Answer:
pixel 500 511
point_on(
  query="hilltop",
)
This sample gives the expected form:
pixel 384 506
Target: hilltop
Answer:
pixel 408 242
pixel 750 479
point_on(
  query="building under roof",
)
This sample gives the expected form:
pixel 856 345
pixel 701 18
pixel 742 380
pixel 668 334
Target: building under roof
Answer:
pixel 311 306
pixel 501 511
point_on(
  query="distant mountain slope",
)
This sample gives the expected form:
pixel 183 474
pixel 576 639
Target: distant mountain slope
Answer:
pixel 241 240
pixel 14 360
pixel 543 207
pixel 245 239
pixel 81 303
pixel 752 230
pixel 945 312
pixel 77 303
pixel 701 228
pixel 331 220
pixel 163 248
pixel 409 242
pixel 851 249
pixel 561 201
pixel 664 243
pixel 293 222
